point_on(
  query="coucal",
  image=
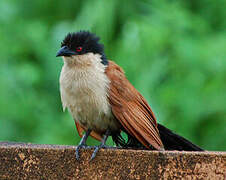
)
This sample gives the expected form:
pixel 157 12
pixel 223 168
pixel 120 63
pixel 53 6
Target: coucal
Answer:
pixel 104 103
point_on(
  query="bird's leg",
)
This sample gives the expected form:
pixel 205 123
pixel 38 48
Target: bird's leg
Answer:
pixel 102 145
pixel 82 143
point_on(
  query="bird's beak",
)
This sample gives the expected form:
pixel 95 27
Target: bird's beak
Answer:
pixel 65 51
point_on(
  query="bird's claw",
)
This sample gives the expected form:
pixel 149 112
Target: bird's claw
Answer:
pixel 97 149
pixel 77 150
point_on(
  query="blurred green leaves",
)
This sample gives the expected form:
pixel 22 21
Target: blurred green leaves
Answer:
pixel 173 52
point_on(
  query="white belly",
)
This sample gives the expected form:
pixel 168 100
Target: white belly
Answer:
pixel 84 93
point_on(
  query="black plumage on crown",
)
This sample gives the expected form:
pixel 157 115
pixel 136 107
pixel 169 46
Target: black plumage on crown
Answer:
pixel 87 42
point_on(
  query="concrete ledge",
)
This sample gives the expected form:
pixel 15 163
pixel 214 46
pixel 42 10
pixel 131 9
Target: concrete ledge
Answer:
pixel 29 161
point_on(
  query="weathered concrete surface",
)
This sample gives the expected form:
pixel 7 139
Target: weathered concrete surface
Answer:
pixel 29 161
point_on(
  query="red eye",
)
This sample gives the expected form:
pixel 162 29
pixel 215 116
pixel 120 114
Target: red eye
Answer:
pixel 79 49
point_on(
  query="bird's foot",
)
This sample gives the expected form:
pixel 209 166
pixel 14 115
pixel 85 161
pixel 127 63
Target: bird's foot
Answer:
pixel 82 143
pixel 80 146
pixel 103 146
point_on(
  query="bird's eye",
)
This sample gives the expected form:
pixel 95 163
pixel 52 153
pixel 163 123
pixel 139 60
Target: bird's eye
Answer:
pixel 79 49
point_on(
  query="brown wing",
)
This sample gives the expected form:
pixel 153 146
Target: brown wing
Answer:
pixel 131 109
pixel 81 130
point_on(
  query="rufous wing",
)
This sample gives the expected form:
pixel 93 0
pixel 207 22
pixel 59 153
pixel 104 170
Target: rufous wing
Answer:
pixel 131 109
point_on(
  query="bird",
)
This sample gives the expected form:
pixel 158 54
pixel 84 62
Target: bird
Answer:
pixel 103 102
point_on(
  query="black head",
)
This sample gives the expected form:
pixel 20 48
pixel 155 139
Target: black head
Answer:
pixel 80 43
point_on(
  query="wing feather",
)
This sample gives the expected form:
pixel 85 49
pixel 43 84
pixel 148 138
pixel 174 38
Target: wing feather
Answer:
pixel 131 109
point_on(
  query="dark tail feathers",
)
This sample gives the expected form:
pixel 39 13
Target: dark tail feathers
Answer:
pixel 172 141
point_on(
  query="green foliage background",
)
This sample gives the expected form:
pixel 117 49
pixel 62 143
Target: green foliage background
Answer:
pixel 173 52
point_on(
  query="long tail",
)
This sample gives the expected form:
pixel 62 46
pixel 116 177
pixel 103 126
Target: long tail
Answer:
pixel 170 140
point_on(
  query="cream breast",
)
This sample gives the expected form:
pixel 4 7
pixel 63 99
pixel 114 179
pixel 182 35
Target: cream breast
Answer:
pixel 84 90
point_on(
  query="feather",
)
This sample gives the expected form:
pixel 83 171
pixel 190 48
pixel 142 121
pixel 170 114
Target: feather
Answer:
pixel 131 109
pixel 81 130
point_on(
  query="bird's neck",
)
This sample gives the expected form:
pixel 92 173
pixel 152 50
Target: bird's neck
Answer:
pixel 83 61
pixel 85 69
